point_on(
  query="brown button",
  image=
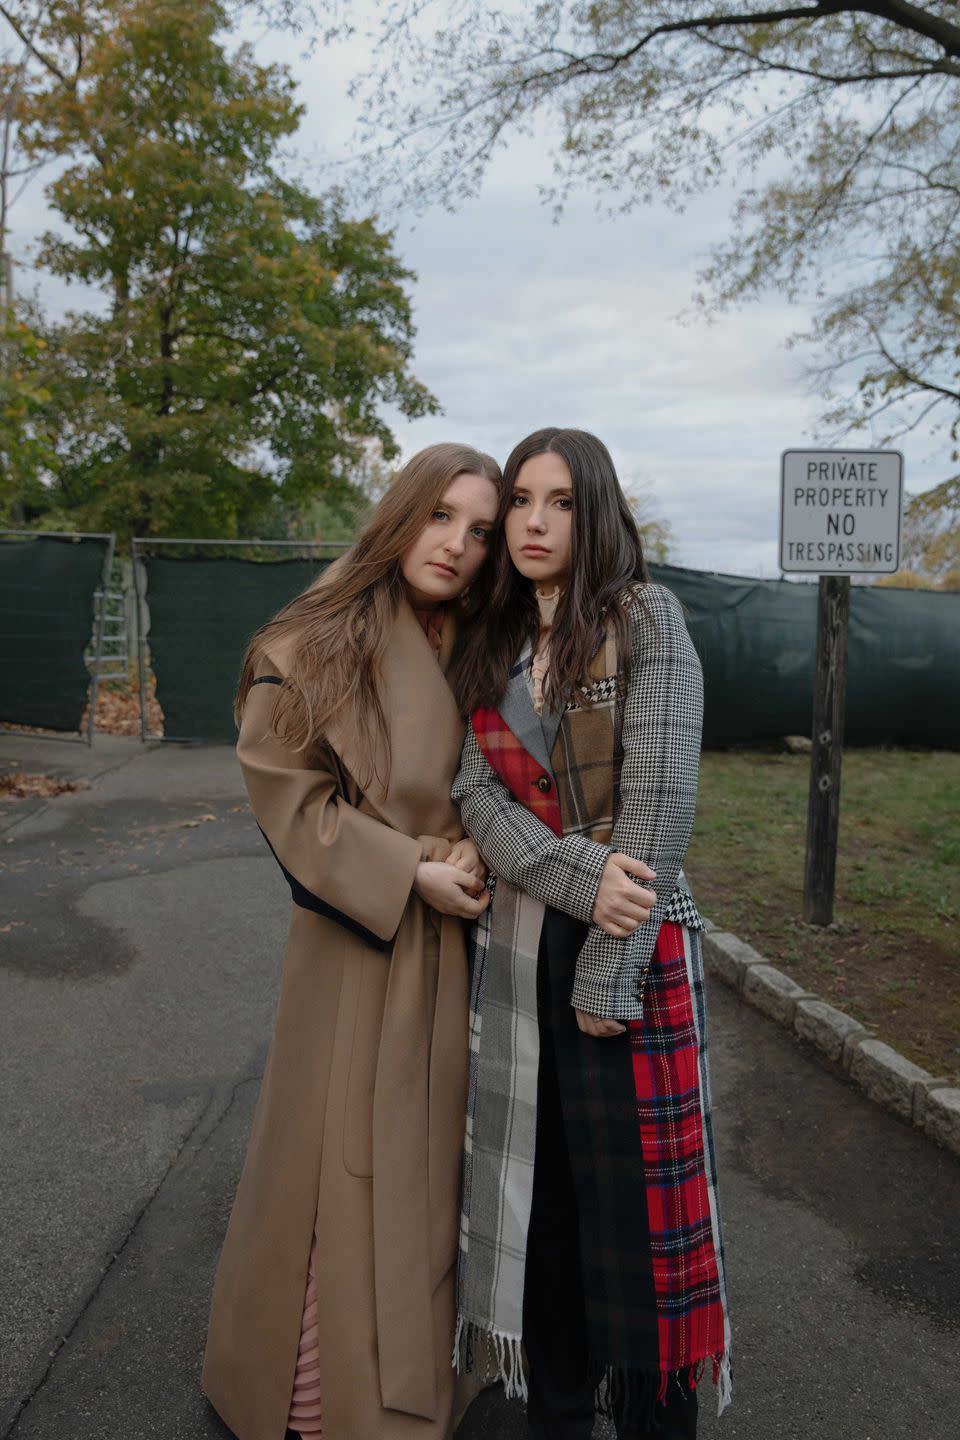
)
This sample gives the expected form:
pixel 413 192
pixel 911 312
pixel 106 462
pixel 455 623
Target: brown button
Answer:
pixel 543 784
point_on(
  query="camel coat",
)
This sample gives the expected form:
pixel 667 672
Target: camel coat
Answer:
pixel 359 1126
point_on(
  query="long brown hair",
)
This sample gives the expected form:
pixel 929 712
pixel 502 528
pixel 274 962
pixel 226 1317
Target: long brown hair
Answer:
pixel 340 625
pixel 606 557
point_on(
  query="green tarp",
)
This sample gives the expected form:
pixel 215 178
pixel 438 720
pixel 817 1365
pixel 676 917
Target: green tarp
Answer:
pixel 202 613
pixel 47 590
pixel 757 643
pixel 756 640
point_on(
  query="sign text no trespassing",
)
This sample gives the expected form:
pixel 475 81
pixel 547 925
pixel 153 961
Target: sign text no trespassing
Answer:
pixel 840 511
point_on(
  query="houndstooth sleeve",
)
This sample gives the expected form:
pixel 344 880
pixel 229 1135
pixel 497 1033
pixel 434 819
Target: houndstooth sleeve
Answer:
pixel 663 717
pixel 560 871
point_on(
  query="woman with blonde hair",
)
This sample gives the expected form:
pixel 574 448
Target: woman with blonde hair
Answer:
pixel 333 1306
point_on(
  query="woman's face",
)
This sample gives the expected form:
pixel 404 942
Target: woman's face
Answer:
pixel 440 564
pixel 539 523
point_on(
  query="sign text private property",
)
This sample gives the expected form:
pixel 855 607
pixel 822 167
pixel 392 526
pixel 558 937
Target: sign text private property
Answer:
pixel 840 511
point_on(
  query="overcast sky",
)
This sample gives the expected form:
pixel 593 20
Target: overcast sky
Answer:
pixel 523 322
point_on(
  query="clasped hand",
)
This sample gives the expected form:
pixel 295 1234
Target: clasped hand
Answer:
pixel 620 908
pixel 621 905
pixel 457 885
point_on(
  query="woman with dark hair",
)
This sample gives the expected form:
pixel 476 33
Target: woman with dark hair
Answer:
pixel 333 1307
pixel 590 1232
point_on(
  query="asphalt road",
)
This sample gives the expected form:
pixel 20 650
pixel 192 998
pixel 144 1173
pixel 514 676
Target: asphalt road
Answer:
pixel 141 927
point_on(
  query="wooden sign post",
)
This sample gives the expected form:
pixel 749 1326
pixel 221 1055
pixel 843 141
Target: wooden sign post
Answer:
pixel 829 697
pixel 839 515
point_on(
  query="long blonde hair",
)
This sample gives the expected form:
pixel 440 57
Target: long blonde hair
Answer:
pixel 340 624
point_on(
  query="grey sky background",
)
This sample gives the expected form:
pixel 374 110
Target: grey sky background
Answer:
pixel 523 322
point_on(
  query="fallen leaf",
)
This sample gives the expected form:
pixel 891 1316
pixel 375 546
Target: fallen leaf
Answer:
pixel 118 708
pixel 20 786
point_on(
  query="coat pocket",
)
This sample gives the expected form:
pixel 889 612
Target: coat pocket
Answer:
pixel 358 1116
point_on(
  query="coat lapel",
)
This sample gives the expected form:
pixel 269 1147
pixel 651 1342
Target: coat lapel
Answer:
pixel 412 791
pixel 550 721
pixel 538 733
pixel 516 710
pixel 512 739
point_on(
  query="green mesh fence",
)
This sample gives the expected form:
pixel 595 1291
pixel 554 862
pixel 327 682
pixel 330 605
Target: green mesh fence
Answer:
pixel 47 587
pixel 756 640
pixel 757 643
pixel 202 613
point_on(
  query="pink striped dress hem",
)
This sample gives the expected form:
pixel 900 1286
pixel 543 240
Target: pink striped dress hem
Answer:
pixel 304 1416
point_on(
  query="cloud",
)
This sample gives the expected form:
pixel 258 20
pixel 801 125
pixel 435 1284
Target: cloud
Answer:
pixel 524 323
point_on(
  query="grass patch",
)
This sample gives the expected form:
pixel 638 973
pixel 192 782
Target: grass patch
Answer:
pixel 892 956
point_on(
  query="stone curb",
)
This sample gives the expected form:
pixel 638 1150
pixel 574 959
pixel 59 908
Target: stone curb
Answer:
pixel 880 1072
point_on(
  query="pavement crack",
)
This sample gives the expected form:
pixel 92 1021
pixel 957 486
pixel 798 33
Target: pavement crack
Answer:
pixel 126 760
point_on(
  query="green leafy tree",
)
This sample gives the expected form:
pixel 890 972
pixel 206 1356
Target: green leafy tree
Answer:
pixel 839 123
pixel 252 331
pixel 26 424
pixel 336 518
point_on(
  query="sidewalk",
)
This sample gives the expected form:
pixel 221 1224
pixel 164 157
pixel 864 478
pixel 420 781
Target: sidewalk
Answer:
pixel 137 987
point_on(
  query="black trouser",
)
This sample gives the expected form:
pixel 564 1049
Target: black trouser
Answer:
pixel 560 1406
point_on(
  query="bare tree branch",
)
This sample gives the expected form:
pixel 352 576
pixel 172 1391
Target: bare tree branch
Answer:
pixel 17 26
pixel 911 17
pixel 854 77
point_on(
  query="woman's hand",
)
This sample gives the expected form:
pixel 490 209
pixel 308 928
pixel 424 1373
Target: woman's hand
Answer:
pixel 450 890
pixel 622 905
pixel 466 856
pixel 597 1026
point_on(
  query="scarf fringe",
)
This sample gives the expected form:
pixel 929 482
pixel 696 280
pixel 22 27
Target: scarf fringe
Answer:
pixel 631 1396
pixel 723 1379
pixel 628 1395
pixel 503 1356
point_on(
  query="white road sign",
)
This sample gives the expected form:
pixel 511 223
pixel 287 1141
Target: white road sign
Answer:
pixel 840 511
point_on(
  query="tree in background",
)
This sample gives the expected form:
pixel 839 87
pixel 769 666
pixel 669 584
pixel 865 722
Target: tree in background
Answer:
pixel 655 531
pixel 859 103
pixel 25 450
pixel 656 534
pixel 250 332
pixel 336 517
pixel 26 424
pixel 930 548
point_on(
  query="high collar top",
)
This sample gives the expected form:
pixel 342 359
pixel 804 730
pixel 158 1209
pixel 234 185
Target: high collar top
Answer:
pixel 547 601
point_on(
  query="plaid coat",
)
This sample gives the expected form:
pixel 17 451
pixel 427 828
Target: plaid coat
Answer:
pixel 547 799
